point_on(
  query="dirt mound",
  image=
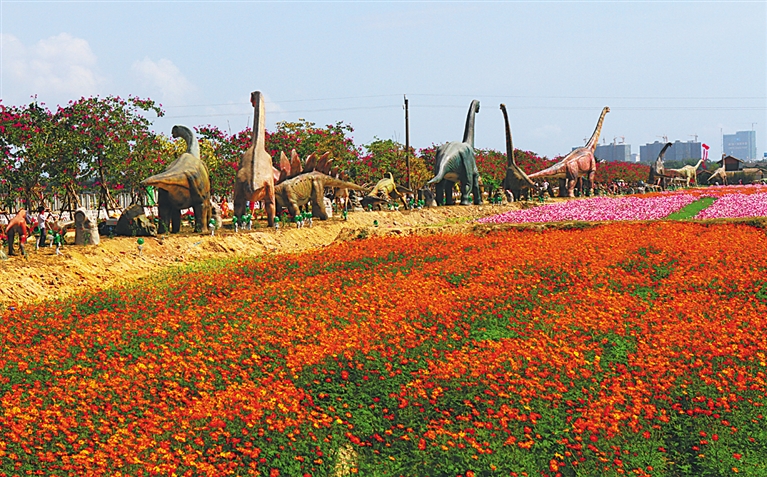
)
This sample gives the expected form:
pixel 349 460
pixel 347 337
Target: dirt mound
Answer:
pixel 44 275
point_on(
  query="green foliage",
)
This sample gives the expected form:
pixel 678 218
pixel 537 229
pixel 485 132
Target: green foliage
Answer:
pixel 691 210
pixel 386 155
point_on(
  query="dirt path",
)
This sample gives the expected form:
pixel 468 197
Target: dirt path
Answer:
pixel 80 269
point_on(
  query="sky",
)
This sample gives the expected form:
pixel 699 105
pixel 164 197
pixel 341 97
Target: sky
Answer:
pixel 682 70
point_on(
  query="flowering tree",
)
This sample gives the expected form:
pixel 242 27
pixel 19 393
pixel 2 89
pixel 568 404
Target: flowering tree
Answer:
pixel 306 138
pixel 389 156
pixel 223 157
pixel 26 149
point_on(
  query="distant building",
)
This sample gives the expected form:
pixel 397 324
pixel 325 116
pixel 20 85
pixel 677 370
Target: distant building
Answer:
pixel 731 163
pixel 679 151
pixel 742 145
pixel 613 152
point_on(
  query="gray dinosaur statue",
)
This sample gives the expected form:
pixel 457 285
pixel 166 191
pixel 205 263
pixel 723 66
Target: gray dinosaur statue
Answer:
pixel 307 187
pixel 516 181
pixel 185 183
pixel 455 162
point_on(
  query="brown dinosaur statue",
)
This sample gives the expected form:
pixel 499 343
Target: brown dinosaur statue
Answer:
pixel 516 181
pixel 185 183
pixel 658 175
pixel 385 190
pixel 17 226
pixel 578 163
pixel 305 188
pixel 255 176
pixel 749 175
pixel 687 173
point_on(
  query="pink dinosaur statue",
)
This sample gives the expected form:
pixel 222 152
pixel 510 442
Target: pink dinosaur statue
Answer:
pixel 580 162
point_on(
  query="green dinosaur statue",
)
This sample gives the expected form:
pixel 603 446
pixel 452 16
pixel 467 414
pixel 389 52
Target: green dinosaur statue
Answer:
pixel 385 190
pixel 305 188
pixel 455 162
pixel 185 183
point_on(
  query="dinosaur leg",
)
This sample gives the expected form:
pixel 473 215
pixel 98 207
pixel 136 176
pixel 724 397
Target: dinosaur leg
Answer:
pixel 439 192
pixel 175 219
pixel 165 209
pixel 292 202
pixel 477 191
pixel 449 192
pixel 11 238
pixel 466 188
pixel 269 203
pixel 318 202
pixel 199 219
pixel 571 174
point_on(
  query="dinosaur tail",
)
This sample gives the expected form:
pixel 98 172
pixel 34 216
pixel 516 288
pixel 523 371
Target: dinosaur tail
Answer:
pixel 167 178
pixel 329 181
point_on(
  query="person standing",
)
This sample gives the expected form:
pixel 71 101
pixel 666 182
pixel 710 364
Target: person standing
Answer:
pixel 42 219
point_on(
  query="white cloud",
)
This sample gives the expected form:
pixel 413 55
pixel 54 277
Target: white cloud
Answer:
pixel 165 77
pixel 61 64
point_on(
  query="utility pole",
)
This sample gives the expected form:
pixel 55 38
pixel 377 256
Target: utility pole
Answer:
pixel 407 142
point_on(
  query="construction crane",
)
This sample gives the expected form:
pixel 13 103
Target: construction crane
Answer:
pixel 664 137
pixel 695 136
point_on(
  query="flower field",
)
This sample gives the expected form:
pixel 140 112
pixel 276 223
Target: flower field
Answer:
pixel 731 201
pixel 620 349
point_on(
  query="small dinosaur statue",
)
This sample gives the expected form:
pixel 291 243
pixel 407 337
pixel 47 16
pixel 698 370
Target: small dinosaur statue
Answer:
pixel 17 226
pixel 516 181
pixel 185 183
pixel 256 175
pixel 385 190
pixel 455 162
pixel 307 187
pixel 579 162
pixel 688 172
pixel 749 175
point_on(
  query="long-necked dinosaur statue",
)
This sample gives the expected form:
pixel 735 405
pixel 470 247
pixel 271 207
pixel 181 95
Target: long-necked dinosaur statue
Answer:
pixel 307 187
pixel 749 175
pixel 688 173
pixel 657 171
pixel 516 181
pixel 255 176
pixel 455 162
pixel 185 183
pixel 578 163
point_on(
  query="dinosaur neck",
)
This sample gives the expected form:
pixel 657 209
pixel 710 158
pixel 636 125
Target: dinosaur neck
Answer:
pixel 663 151
pixel 192 146
pixel 509 145
pixel 592 144
pixel 468 133
pixel 259 120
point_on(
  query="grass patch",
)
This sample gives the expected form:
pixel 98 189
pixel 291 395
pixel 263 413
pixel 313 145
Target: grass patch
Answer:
pixel 691 210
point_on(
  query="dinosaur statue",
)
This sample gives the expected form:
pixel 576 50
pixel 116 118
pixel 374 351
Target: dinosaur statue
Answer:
pixel 307 187
pixel 455 162
pixel 255 176
pixel 687 173
pixel 185 183
pixel 658 175
pixel 134 223
pixel 17 226
pixel 749 175
pixel 516 181
pixel 385 190
pixel 579 162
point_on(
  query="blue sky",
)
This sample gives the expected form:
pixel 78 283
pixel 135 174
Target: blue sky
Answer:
pixel 674 69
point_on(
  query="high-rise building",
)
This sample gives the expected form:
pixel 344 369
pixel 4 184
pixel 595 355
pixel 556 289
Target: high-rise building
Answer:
pixel 742 145
pixel 613 152
pixel 679 151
